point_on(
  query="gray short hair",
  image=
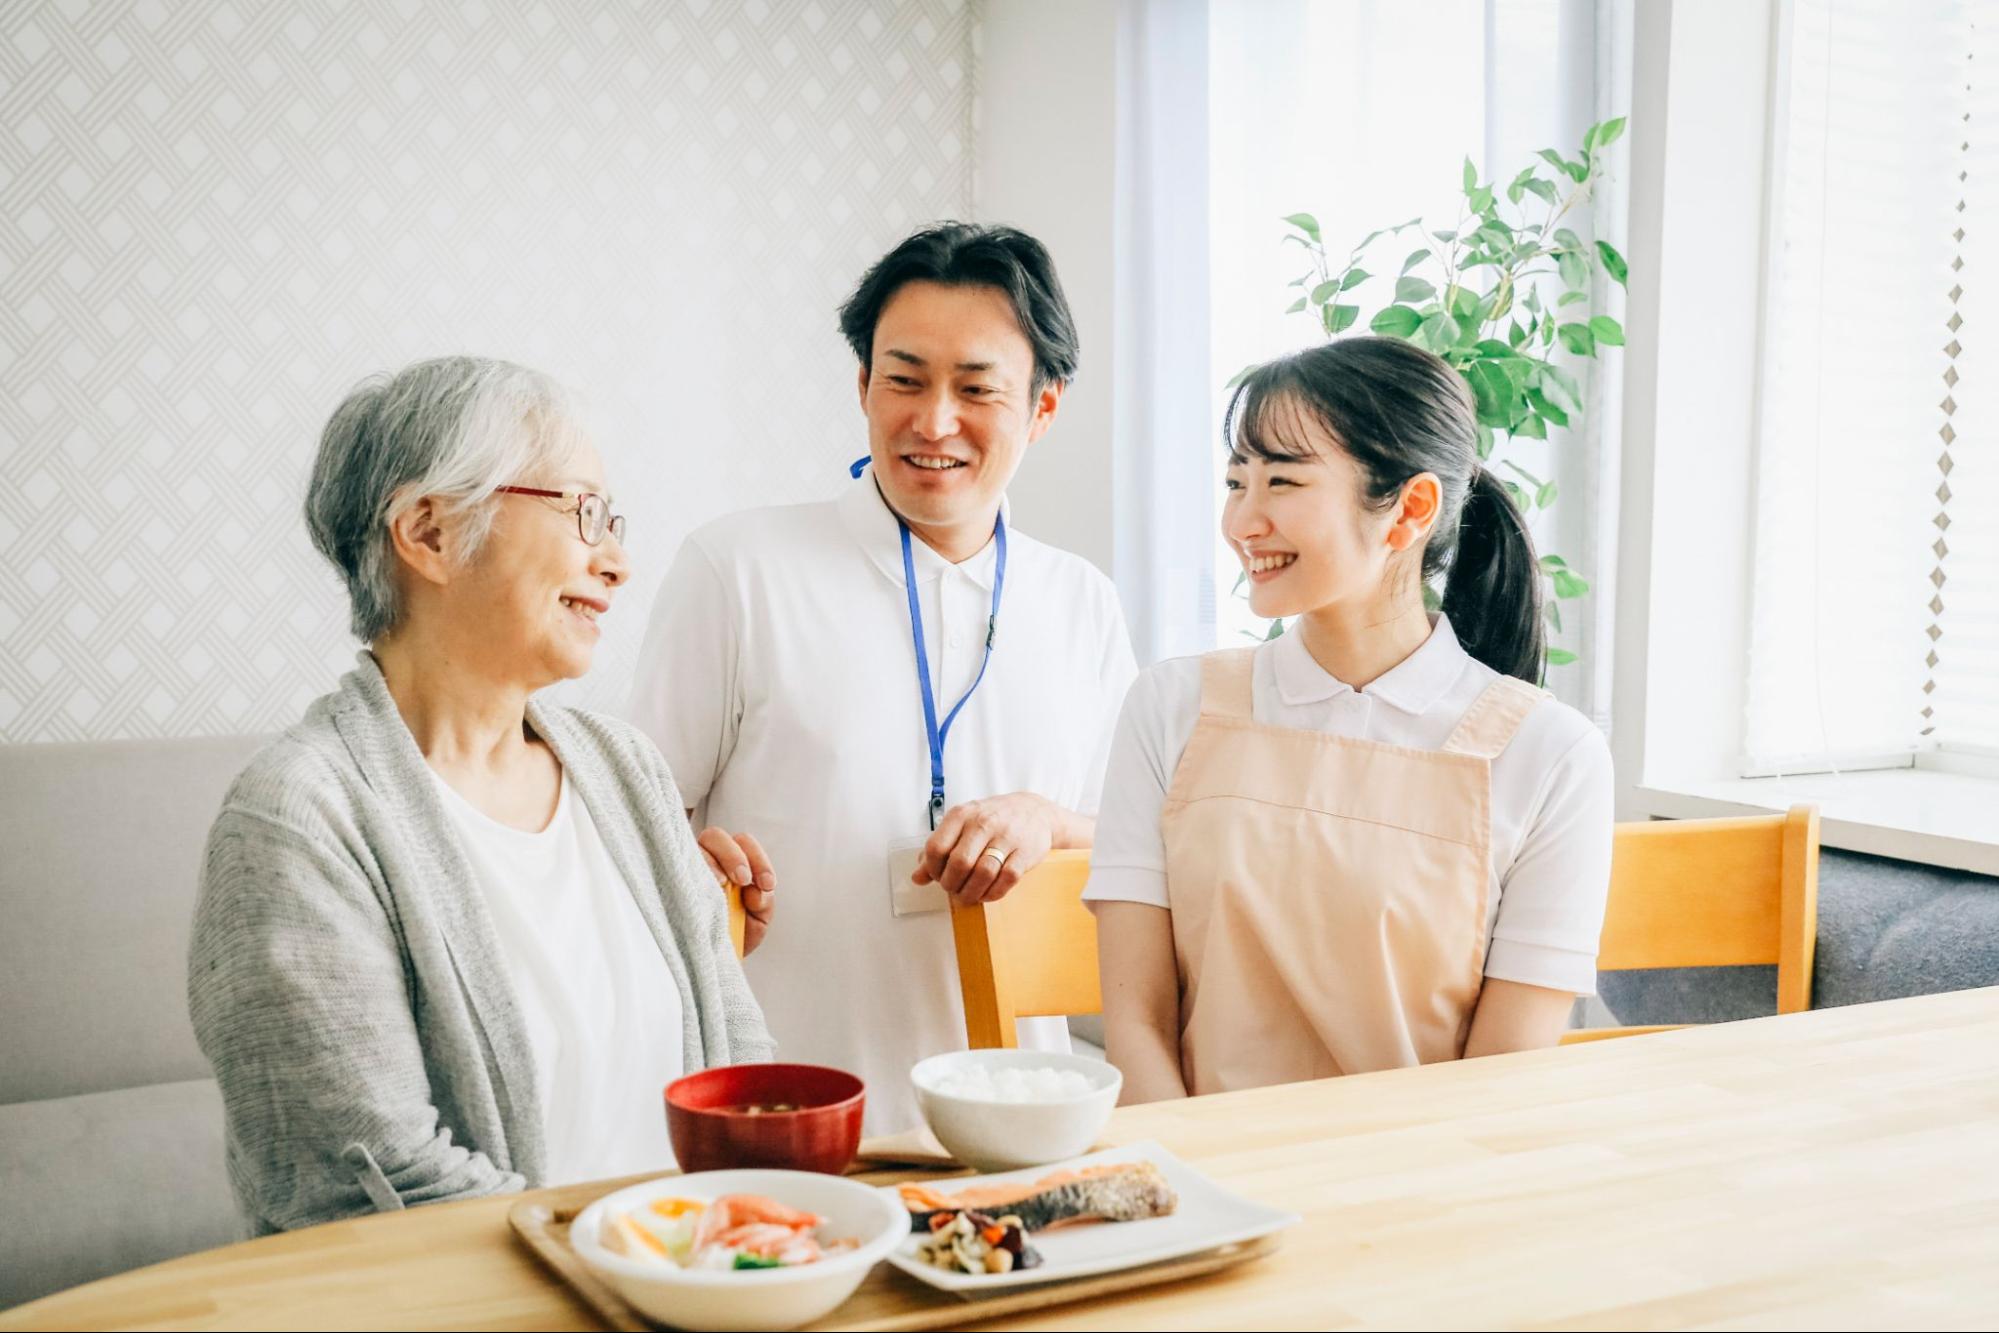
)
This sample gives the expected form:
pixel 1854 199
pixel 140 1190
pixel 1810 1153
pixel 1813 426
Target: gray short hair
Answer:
pixel 456 429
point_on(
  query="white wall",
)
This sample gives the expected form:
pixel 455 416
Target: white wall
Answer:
pixel 1699 130
pixel 214 218
pixel 1046 162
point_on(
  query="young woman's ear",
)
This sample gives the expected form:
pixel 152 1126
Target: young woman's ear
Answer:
pixel 1416 511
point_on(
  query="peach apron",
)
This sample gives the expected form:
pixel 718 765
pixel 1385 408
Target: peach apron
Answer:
pixel 1329 895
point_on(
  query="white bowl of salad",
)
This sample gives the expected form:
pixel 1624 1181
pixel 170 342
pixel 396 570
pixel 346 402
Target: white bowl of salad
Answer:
pixel 743 1249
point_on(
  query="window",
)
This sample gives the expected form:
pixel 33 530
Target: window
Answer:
pixel 1874 637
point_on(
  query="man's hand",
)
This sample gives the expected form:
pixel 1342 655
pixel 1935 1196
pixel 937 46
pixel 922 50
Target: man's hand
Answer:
pixel 982 848
pixel 739 859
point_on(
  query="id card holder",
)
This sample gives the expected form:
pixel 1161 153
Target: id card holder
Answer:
pixel 905 898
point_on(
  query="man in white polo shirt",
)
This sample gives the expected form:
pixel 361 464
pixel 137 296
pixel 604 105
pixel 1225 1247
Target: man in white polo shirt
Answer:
pixel 785 671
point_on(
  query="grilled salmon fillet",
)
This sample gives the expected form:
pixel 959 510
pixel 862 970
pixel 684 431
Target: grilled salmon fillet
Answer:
pixel 1125 1192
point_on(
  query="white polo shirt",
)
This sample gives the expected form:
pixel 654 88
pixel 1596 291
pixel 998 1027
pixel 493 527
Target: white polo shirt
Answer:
pixel 779 679
pixel 1552 793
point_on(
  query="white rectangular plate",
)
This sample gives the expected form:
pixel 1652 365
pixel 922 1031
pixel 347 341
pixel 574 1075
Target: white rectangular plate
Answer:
pixel 1208 1216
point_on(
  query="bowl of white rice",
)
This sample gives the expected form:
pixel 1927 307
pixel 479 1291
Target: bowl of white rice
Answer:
pixel 995 1110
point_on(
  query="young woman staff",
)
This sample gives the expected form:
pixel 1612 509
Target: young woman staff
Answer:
pixel 1374 841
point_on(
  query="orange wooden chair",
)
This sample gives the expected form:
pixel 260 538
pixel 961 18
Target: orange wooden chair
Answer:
pixel 1714 893
pixel 1031 954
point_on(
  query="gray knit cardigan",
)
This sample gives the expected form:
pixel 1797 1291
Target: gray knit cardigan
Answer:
pixel 346 982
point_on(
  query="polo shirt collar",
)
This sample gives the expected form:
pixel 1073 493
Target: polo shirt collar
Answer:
pixel 873 527
pixel 1412 686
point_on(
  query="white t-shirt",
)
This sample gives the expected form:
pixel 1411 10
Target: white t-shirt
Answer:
pixel 779 679
pixel 599 1002
pixel 1552 790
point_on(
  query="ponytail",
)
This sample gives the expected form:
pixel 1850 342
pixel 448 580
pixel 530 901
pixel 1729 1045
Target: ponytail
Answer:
pixel 1492 593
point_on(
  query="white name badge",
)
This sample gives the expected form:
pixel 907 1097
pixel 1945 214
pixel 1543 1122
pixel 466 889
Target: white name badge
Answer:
pixel 905 898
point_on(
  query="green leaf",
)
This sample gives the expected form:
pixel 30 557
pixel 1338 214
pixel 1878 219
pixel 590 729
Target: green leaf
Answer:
pixel 1613 262
pixel 1339 318
pixel 1560 657
pixel 1480 199
pixel 1492 391
pixel 1295 306
pixel 1607 330
pixel 1567 239
pixel 1578 339
pixel 1570 298
pixel 1300 280
pixel 1471 176
pixel 1516 335
pixel 1544 189
pixel 1276 631
pixel 1239 377
pixel 1530 427
pixel 1354 278
pixel 1547 562
pixel 1577 171
pixel 1447 235
pixel 1545 496
pixel 1414 259
pixel 1306 223
pixel 1439 332
pixel 1485 442
pixel 1519 184
pixel 1553 611
pixel 1521 472
pixel 1519 496
pixel 1568 586
pixel 1464 303
pixel 1554 159
pixel 1324 292
pixel 1603 135
pixel 1397 321
pixel 1546 408
pixel 1494 350
pixel 1413 289
pixel 1561 379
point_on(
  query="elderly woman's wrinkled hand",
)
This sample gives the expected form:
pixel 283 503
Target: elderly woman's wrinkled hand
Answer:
pixel 738 858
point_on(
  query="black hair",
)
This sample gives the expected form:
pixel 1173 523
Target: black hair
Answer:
pixel 1399 411
pixel 959 254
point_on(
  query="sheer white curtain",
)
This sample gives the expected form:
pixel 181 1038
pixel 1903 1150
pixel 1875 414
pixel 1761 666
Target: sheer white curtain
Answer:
pixel 1161 461
pixel 1875 637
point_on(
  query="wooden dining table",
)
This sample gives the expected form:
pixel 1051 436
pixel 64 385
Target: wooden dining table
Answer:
pixel 1830 1169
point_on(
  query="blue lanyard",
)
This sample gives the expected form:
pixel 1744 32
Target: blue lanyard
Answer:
pixel 939 735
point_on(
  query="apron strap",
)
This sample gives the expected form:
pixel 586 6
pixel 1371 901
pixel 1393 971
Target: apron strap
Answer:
pixel 1225 683
pixel 1489 725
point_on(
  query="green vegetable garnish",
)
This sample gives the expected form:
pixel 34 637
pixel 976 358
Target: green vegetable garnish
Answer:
pixel 755 1261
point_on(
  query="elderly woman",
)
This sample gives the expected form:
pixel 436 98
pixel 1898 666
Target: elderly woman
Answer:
pixel 453 939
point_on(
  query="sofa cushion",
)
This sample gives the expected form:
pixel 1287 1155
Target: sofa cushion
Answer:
pixel 106 1181
pixel 1886 929
pixel 104 844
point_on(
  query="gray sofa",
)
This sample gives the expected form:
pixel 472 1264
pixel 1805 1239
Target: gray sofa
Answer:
pixel 110 1126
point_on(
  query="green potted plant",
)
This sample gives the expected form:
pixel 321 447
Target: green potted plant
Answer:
pixel 1477 294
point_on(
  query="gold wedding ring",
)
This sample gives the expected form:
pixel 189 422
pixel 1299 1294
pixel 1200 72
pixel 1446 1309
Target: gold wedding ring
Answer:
pixel 996 855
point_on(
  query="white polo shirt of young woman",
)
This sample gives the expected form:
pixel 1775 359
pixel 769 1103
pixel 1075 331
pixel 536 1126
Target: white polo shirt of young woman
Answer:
pixel 1552 790
pixel 779 679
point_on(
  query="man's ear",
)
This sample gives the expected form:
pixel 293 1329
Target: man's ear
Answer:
pixel 863 380
pixel 1416 512
pixel 1045 404
pixel 420 541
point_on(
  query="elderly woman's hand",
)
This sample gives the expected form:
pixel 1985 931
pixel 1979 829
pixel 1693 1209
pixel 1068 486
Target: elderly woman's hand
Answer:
pixel 739 858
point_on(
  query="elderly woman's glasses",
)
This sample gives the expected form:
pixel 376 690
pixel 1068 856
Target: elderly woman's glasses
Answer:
pixel 593 512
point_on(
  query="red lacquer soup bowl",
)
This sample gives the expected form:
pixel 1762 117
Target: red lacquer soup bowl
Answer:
pixel 801 1117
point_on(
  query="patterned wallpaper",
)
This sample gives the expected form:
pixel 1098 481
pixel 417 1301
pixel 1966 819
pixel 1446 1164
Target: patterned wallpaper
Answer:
pixel 215 217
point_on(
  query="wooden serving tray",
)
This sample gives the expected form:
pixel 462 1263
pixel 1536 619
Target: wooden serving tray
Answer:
pixel 887 1300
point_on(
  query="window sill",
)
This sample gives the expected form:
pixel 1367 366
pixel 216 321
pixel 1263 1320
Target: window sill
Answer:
pixel 1939 819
